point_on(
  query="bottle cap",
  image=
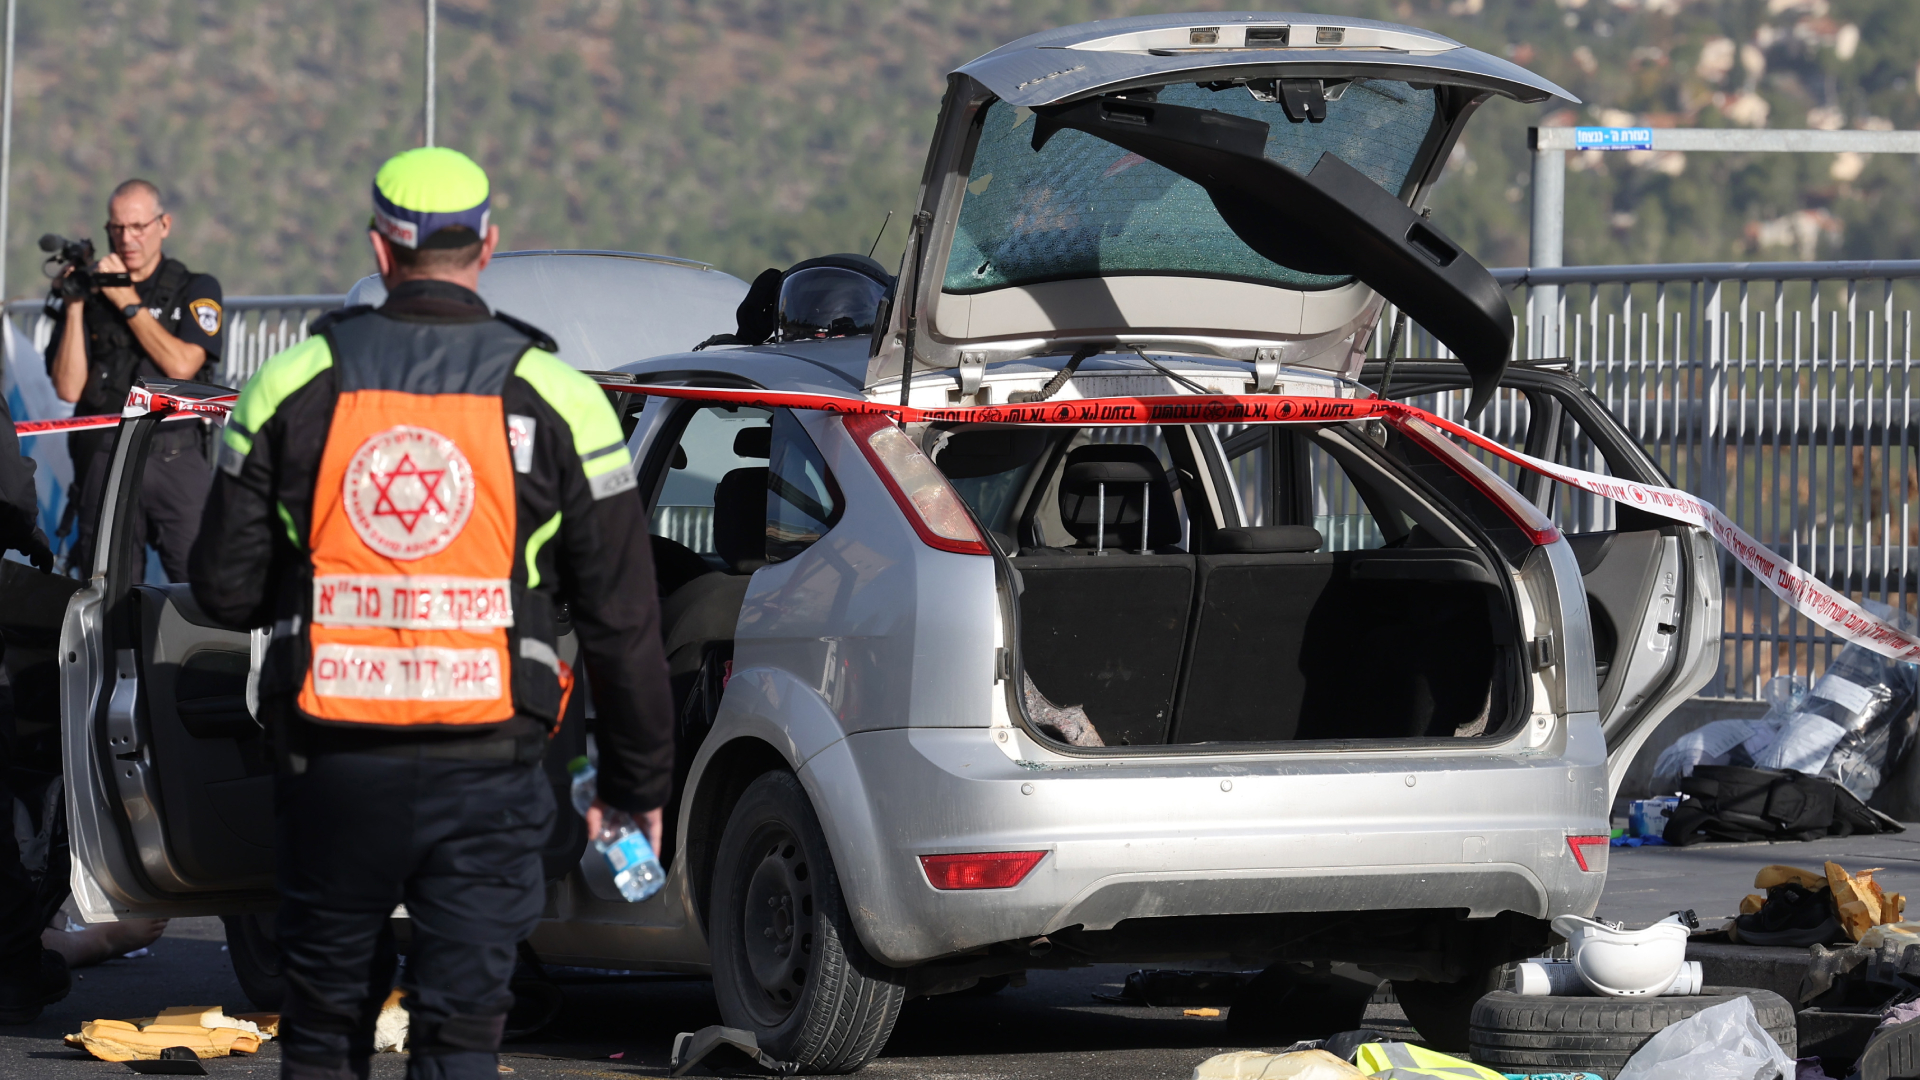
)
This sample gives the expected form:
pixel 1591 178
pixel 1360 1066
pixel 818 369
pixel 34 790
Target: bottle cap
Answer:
pixel 579 765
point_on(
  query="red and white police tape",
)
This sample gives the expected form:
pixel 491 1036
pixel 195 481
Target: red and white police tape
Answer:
pixel 1799 589
pixel 140 402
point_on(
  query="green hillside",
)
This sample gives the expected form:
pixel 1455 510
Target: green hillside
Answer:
pixel 754 132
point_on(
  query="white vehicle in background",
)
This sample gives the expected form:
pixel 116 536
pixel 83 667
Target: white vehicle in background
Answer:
pixel 959 700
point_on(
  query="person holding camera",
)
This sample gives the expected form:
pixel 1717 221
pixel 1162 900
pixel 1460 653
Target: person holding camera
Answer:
pixel 168 324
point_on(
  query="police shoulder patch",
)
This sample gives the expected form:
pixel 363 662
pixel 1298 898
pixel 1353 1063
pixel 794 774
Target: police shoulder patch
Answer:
pixel 207 314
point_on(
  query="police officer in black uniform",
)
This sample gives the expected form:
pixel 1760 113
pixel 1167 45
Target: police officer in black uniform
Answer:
pixel 168 325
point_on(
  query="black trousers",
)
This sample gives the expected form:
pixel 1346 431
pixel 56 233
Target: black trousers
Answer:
pixel 173 492
pixel 28 896
pixel 458 842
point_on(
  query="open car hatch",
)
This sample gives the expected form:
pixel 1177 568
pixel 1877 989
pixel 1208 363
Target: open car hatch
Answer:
pixel 1244 186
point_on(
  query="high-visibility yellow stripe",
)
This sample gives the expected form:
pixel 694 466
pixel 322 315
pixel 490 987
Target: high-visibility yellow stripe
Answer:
pixel 534 543
pixel 583 405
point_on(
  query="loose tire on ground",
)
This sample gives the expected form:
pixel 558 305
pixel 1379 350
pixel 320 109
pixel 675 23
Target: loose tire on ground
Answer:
pixel 1512 1033
pixel 787 965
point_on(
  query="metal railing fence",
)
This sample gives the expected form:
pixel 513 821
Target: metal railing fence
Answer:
pixel 1782 392
pixel 257 327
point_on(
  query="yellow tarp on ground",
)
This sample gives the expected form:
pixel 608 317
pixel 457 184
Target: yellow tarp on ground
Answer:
pixel 204 1029
pixel 1260 1065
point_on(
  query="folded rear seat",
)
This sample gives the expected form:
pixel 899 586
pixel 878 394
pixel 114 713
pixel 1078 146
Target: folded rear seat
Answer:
pixel 1291 643
pixel 1103 623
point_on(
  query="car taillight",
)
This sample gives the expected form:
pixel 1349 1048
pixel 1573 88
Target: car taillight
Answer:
pixel 980 870
pixel 932 507
pixel 1527 517
pixel 1579 844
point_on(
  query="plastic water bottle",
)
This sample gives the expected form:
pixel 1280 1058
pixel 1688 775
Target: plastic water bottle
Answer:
pixel 636 872
pixel 583 773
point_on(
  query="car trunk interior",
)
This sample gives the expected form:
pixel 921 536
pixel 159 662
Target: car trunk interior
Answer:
pixel 1167 625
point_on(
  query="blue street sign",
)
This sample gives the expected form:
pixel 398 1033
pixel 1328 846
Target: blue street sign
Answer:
pixel 1612 138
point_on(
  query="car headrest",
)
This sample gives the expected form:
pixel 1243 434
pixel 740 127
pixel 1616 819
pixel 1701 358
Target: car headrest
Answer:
pixel 1266 540
pixel 968 454
pixel 754 442
pixel 740 519
pixel 1136 486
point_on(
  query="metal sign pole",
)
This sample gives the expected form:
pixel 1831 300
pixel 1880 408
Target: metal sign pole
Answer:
pixel 6 186
pixel 432 30
pixel 1548 244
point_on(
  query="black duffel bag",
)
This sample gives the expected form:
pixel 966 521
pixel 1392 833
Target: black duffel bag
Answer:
pixel 1728 802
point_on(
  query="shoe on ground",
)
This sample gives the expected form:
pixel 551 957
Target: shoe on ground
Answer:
pixel 40 982
pixel 1793 915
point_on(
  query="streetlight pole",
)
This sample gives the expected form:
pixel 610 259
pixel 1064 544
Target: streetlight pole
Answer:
pixel 432 29
pixel 6 186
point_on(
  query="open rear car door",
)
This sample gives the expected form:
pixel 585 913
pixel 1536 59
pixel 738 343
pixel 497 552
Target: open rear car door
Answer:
pixel 1653 584
pixel 170 787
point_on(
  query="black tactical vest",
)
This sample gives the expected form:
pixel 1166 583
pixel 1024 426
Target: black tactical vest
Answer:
pixel 113 353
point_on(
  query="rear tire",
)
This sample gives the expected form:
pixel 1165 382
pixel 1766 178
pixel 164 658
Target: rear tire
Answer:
pixel 1284 1004
pixel 255 957
pixel 1442 1012
pixel 787 965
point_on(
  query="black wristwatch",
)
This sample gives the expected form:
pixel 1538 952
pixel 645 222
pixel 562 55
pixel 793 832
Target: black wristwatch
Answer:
pixel 129 312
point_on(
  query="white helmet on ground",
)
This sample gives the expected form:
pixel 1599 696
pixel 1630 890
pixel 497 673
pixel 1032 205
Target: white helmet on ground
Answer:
pixel 1624 963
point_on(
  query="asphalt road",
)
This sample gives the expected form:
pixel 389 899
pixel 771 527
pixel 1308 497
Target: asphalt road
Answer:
pixel 1051 1029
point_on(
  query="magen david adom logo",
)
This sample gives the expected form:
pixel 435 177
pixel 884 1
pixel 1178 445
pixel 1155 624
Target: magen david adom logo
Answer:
pixel 408 492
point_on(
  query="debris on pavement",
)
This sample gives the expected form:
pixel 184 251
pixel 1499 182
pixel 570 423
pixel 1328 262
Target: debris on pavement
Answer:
pixel 173 1061
pixel 204 1029
pixel 1203 1012
pixel 1158 988
pixel 1405 1061
pixel 1647 818
pixel 1804 908
pixel 1881 967
pixel 390 1027
pixel 692 1047
pixel 1261 1065
pixel 1861 903
pixel 1724 1042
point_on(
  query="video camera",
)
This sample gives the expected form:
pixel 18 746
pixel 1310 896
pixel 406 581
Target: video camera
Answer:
pixel 78 255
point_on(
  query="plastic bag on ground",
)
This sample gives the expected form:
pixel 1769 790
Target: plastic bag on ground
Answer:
pixel 1872 698
pixel 1725 1042
pixel 1730 742
pixel 1857 720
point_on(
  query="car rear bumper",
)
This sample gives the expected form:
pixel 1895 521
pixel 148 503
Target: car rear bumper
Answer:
pixel 1168 836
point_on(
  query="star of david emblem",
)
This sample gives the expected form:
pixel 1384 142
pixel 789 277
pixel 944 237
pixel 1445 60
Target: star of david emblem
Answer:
pixel 408 491
pixel 429 479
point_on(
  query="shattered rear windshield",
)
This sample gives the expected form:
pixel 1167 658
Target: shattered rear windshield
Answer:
pixel 1083 207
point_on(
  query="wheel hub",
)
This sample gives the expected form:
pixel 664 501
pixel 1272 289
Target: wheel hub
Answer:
pixel 778 935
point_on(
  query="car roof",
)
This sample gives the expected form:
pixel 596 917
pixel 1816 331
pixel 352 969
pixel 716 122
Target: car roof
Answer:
pixel 835 368
pixel 604 308
pixel 1072 61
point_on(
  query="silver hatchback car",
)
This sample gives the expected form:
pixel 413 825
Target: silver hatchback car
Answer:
pixel 960 700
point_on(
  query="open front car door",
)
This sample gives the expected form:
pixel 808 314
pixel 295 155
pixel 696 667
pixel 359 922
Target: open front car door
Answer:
pixel 169 784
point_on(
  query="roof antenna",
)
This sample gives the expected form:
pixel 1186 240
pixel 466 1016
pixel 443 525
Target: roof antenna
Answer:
pixel 882 232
